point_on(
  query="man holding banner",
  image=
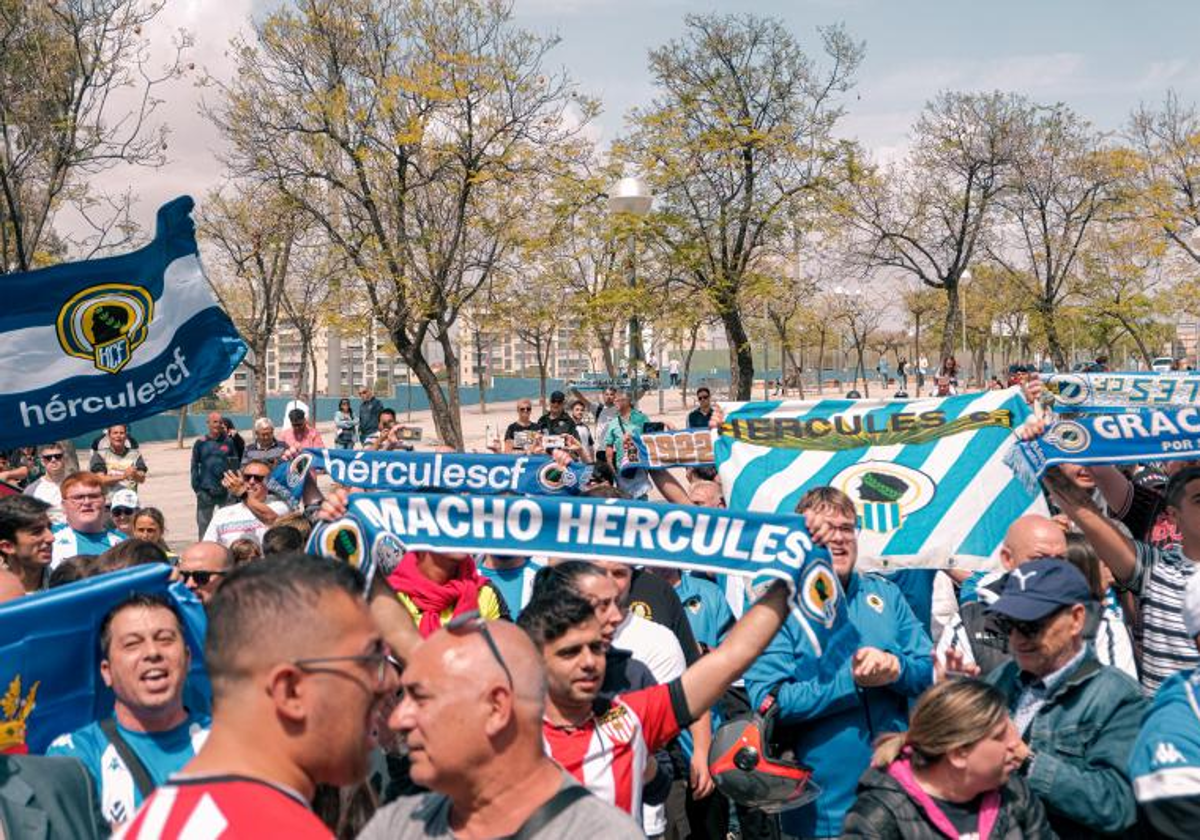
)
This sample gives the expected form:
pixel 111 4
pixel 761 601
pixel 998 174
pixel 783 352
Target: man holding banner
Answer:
pixel 858 687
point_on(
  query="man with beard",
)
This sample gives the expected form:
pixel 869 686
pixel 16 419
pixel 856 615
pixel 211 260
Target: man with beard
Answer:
pixel 299 672
pixel 151 735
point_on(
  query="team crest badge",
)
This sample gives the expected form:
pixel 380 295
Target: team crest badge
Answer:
pixel 875 603
pixel 105 324
pixel 554 478
pixel 615 723
pixel 297 470
pixel 1068 436
pixel 387 552
pixel 1068 388
pixel 642 610
pixel 884 493
pixel 819 595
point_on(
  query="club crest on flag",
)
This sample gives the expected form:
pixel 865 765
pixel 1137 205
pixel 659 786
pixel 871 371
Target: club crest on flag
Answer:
pixel 105 324
pixel 884 493
pixel 16 710
pixel 297 470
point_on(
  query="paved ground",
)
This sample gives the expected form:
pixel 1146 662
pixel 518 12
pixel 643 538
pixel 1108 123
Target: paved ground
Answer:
pixel 168 484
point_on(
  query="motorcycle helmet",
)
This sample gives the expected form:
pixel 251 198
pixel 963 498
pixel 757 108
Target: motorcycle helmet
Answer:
pixel 746 767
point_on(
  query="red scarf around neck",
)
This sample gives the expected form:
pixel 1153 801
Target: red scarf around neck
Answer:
pixel 460 592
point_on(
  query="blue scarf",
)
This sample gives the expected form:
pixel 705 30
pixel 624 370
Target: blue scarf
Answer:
pixel 380 528
pixel 454 472
pixel 1118 391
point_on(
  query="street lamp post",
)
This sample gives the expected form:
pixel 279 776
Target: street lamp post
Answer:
pixel 962 302
pixel 632 196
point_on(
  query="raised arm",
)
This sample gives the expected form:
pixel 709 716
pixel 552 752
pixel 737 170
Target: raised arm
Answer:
pixel 1113 548
pixel 706 680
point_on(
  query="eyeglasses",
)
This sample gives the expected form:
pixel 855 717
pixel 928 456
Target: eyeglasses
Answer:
pixel 122 511
pixel 472 622
pixel 524 408
pixel 1028 629
pixel 254 477
pixel 377 665
pixel 87 497
pixel 52 456
pixel 202 577
pixel 702 397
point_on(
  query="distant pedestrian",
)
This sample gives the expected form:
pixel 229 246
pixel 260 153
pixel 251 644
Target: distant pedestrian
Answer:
pixel 212 455
pixel 345 424
pixel 368 413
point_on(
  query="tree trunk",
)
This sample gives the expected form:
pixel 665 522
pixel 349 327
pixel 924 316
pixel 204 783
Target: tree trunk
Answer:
pixel 604 338
pixel 480 373
pixel 741 356
pixel 452 372
pixel 860 367
pixel 693 335
pixel 953 325
pixel 1057 353
pixel 259 382
pixel 821 362
pixel 419 366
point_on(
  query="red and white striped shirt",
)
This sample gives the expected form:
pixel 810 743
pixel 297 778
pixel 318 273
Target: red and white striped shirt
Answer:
pixel 224 807
pixel 609 753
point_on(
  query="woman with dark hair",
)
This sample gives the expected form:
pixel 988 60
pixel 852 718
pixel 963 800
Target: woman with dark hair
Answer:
pixel 950 775
pixel 1106 628
pixel 345 424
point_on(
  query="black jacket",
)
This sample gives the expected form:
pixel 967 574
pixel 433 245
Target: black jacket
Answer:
pixel 884 810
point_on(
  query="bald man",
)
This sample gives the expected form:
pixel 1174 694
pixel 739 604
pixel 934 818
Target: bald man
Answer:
pixel 299 671
pixel 474 697
pixel 202 567
pixel 971 644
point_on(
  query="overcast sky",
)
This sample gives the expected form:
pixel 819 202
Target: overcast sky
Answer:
pixel 1102 57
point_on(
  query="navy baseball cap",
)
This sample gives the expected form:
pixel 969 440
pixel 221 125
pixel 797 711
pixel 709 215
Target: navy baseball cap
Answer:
pixel 1035 589
pixel 558 396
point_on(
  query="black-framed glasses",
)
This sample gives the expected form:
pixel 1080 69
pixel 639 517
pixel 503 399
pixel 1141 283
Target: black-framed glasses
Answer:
pixel 473 622
pixel 377 665
pixel 201 576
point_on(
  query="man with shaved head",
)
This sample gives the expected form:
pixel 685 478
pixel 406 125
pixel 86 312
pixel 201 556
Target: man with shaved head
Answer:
pixel 471 715
pixel 971 642
pixel 298 670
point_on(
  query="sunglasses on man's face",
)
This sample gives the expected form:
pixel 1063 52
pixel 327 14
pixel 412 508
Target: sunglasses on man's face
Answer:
pixel 52 456
pixel 1028 629
pixel 122 511
pixel 202 577
pixel 254 478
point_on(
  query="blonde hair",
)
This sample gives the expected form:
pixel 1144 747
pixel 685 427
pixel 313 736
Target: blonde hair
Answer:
pixel 828 498
pixel 952 714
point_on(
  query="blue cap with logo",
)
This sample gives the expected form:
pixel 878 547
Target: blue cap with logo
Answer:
pixel 1035 589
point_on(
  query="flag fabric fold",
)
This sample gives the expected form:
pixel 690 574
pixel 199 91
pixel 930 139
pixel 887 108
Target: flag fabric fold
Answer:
pixel 92 343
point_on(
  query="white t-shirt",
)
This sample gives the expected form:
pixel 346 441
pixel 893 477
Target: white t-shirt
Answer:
pixel 233 522
pixel 50 493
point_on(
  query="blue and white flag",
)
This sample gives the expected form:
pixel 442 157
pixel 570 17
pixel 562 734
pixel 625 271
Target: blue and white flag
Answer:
pixel 380 528
pixel 928 477
pixel 1162 434
pixel 452 472
pixel 1078 392
pixel 112 340
pixel 50 660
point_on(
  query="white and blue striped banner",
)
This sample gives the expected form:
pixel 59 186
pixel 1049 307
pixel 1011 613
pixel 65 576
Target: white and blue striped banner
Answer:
pixel 112 340
pixel 928 477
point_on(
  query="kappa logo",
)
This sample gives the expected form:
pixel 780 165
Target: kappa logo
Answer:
pixel 1023 577
pixel 1068 436
pixel 105 324
pixel 884 494
pixel 1167 753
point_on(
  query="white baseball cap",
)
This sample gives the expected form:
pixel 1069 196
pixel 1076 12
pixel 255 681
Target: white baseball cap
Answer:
pixel 124 498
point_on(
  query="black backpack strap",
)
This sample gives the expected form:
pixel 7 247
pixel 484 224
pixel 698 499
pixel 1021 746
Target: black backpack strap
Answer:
pixel 141 777
pixel 551 808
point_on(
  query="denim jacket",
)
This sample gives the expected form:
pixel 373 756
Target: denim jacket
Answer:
pixel 1081 741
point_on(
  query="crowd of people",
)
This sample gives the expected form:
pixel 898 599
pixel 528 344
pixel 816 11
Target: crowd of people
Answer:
pixel 513 696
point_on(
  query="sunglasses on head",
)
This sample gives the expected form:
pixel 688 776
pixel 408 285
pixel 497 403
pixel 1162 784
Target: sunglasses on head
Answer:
pixel 473 622
pixel 201 577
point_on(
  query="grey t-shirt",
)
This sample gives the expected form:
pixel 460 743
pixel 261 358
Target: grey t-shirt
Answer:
pixel 427 817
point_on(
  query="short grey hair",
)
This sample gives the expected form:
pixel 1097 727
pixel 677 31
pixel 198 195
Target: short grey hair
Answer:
pixel 263 423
